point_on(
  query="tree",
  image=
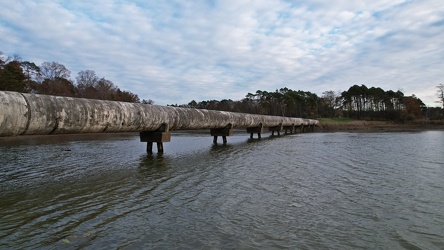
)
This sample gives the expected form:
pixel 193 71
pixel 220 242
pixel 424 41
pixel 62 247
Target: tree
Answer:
pixel 125 96
pixel 441 94
pixel 357 99
pixel 53 70
pixel 248 105
pixel 363 103
pixel 376 98
pixel 90 86
pixel 2 60
pixel 412 108
pixel 149 102
pixel 51 78
pixel 86 81
pixel 87 78
pixel 6 59
pixel 57 87
pixel 328 103
pixel 12 77
pixel 106 89
pixel 31 70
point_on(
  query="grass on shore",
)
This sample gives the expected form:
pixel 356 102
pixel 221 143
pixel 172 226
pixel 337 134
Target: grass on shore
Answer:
pixel 353 124
pixel 335 120
pixel 331 123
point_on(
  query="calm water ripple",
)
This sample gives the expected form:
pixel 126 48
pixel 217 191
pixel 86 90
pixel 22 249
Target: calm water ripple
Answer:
pixel 302 191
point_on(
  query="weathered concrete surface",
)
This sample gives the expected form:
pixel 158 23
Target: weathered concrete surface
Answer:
pixel 13 114
pixel 26 114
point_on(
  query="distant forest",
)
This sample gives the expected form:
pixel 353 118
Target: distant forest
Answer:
pixel 52 78
pixel 359 102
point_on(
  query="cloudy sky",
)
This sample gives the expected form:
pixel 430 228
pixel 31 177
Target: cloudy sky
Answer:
pixel 181 50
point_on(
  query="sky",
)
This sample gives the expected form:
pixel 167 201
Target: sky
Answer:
pixel 176 51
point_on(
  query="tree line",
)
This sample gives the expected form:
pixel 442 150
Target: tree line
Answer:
pixel 359 102
pixel 375 103
pixel 53 78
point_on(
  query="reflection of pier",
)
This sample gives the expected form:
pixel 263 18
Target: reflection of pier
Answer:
pixel 31 114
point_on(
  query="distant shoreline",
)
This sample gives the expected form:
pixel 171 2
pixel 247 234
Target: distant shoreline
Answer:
pixel 378 126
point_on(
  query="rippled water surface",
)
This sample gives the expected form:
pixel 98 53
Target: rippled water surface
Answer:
pixel 302 191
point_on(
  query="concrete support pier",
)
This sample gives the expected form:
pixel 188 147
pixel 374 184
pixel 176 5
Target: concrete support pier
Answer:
pixel 159 136
pixel 279 128
pixel 299 127
pixel 224 132
pixel 289 129
pixel 258 130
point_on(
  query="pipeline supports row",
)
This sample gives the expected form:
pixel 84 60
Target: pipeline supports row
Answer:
pixel 163 134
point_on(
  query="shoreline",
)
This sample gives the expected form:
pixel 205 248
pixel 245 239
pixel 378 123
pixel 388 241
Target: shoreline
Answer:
pixel 378 126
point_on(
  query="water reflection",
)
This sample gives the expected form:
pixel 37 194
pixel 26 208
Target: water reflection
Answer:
pixel 220 147
pixel 152 165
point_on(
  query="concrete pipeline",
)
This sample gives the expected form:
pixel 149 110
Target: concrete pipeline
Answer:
pixel 33 114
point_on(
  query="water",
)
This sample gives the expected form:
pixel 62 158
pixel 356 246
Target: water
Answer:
pixel 303 191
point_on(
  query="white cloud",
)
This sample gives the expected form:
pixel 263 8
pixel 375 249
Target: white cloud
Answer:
pixel 177 51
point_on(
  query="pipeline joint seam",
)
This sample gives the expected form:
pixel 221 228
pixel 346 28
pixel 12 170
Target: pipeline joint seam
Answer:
pixel 28 114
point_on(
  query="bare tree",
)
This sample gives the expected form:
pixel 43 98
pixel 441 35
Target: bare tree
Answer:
pixel 328 103
pixel 441 94
pixel 54 70
pixel 330 98
pixel 2 60
pixel 106 89
pixel 87 78
pixel 86 82
pixel 31 70
pixel 58 87
pixel 149 101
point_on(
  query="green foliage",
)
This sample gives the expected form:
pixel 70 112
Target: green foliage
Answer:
pixel 358 102
pixel 361 102
pixel 282 102
pixel 12 77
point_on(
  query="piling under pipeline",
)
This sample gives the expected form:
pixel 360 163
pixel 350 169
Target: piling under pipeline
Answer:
pixel 34 114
